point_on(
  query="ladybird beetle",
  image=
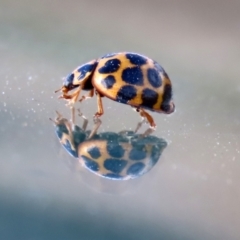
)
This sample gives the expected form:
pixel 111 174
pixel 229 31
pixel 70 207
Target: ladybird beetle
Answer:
pixel 117 156
pixel 125 77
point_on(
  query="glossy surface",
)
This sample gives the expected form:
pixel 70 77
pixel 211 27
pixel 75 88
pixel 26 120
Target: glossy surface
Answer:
pixel 117 156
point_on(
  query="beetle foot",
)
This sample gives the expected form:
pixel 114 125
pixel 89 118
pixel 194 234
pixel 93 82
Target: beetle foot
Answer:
pixel 82 98
pixel 97 115
pixel 59 119
pixel 97 120
pixel 97 123
pixel 85 120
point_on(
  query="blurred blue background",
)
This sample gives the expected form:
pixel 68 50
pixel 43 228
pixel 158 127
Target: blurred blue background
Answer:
pixel 192 192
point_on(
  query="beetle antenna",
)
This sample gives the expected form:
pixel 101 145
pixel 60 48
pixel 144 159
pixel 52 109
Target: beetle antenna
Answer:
pixel 53 121
pixel 58 90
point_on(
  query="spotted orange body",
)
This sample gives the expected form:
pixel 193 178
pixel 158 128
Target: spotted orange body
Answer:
pixel 125 77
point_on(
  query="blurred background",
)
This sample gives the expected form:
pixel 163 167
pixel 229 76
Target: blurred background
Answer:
pixel 193 191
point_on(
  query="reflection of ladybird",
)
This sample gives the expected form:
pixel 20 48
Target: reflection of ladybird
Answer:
pixel 124 77
pixel 118 156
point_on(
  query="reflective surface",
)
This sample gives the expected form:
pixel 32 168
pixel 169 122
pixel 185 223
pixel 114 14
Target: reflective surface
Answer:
pixel 192 192
pixel 120 155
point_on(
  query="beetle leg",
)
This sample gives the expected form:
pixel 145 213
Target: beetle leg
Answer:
pixel 72 97
pixel 89 95
pixel 69 125
pixel 97 123
pixel 146 116
pixel 59 115
pixel 73 116
pixel 76 94
pixel 58 119
pixel 148 132
pixel 140 124
pixel 100 106
pixel 85 120
pixel 80 114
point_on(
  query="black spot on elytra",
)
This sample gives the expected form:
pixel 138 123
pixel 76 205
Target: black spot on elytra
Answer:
pixel 90 164
pixel 137 154
pixel 110 66
pixel 109 55
pixel 115 150
pixel 154 78
pixel 84 69
pixel 94 152
pixel 160 69
pixel 136 168
pixel 167 97
pixel 115 165
pixel 149 98
pixel 133 76
pixel 68 83
pixel 108 82
pixel 126 93
pixel 136 59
